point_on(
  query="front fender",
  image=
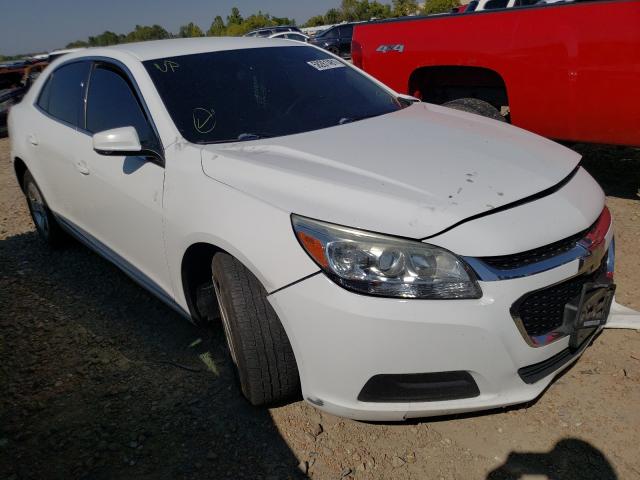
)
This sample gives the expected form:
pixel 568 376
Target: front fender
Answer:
pixel 199 209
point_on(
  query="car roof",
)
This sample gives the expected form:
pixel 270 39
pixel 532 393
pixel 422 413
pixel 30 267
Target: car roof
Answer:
pixel 280 34
pixel 273 27
pixel 184 46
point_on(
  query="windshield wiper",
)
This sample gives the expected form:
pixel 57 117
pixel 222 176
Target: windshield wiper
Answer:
pixel 253 136
pixel 344 120
pixel 243 137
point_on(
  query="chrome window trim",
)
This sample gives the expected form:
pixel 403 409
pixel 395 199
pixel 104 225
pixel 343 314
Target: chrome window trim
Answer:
pixel 93 60
pixel 48 79
pixel 124 70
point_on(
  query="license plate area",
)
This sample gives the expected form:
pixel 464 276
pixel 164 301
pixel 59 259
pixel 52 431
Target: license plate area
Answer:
pixel 587 312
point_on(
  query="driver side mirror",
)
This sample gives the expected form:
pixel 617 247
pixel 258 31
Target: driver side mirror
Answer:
pixel 121 141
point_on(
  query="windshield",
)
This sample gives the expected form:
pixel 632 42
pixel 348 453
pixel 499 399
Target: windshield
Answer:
pixel 240 95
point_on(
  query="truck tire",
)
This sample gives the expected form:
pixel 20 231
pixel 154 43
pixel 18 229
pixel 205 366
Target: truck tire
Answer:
pixel 46 224
pixel 265 364
pixel 474 105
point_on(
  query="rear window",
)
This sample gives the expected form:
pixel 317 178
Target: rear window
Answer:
pixel 61 97
pixel 264 92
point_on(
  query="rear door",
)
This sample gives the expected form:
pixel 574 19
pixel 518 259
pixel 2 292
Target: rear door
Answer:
pixel 124 209
pixel 54 139
pixel 345 33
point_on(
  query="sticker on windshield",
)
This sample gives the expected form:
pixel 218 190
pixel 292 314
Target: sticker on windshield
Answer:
pixel 326 64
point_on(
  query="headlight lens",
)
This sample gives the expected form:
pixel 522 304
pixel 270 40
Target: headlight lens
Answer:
pixel 381 265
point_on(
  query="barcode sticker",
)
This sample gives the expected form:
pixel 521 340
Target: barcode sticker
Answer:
pixel 326 64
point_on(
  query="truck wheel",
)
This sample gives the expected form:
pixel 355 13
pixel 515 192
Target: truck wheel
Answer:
pixel 44 221
pixel 334 50
pixel 473 105
pixel 258 344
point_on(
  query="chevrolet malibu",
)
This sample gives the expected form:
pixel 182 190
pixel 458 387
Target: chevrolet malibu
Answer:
pixel 387 258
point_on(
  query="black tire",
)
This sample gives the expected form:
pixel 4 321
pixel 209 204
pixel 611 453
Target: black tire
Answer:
pixel 334 50
pixel 258 344
pixel 479 107
pixel 45 222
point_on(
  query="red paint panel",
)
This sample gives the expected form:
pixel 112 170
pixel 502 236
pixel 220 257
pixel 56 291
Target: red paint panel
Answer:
pixel 572 71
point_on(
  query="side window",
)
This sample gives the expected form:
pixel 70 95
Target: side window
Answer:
pixel 332 33
pixel 111 104
pixel 494 4
pixel 346 31
pixel 61 97
pixel 43 99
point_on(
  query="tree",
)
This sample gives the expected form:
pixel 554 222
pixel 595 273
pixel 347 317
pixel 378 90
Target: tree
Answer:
pixel 333 15
pixel 257 20
pixel 217 28
pixel 105 39
pixel 439 6
pixel 144 32
pixel 315 21
pixel 235 18
pixel 283 21
pixel 403 8
pixel 379 10
pixel 77 44
pixel 236 29
pixel 190 30
pixel 349 9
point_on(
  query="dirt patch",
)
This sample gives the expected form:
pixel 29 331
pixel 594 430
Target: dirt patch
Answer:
pixel 99 380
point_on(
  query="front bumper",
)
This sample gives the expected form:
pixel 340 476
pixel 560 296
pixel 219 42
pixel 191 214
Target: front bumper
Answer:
pixel 342 339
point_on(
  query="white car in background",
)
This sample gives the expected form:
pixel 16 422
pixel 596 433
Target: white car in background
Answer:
pixel 391 258
pixel 300 37
pixel 482 5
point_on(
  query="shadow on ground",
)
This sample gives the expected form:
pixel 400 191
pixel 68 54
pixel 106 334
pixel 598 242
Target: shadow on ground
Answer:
pixel 100 381
pixel 616 168
pixel 570 459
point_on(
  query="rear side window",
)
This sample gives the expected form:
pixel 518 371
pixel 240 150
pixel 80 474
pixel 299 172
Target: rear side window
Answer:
pixel 43 100
pixel 111 103
pixel 346 31
pixel 61 96
pixel 331 33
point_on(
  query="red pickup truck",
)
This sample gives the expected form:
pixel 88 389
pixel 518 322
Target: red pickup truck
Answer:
pixel 568 71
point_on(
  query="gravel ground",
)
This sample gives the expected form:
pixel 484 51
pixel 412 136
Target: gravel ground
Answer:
pixel 98 380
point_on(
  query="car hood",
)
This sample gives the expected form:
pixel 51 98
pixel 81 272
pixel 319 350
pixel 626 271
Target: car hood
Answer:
pixel 413 173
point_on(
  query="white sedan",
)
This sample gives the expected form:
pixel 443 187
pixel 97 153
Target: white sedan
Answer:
pixel 300 37
pixel 385 257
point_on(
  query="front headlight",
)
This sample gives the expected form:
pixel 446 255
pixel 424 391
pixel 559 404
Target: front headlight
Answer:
pixel 381 265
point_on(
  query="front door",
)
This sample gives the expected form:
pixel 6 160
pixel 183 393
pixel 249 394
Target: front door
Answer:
pixel 123 210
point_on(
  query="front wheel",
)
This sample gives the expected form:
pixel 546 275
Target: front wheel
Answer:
pixel 43 219
pixel 258 344
pixel 474 105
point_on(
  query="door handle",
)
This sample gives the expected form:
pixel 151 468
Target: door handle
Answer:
pixel 82 167
pixel 32 139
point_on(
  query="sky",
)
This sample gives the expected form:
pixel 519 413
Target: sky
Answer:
pixel 28 26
